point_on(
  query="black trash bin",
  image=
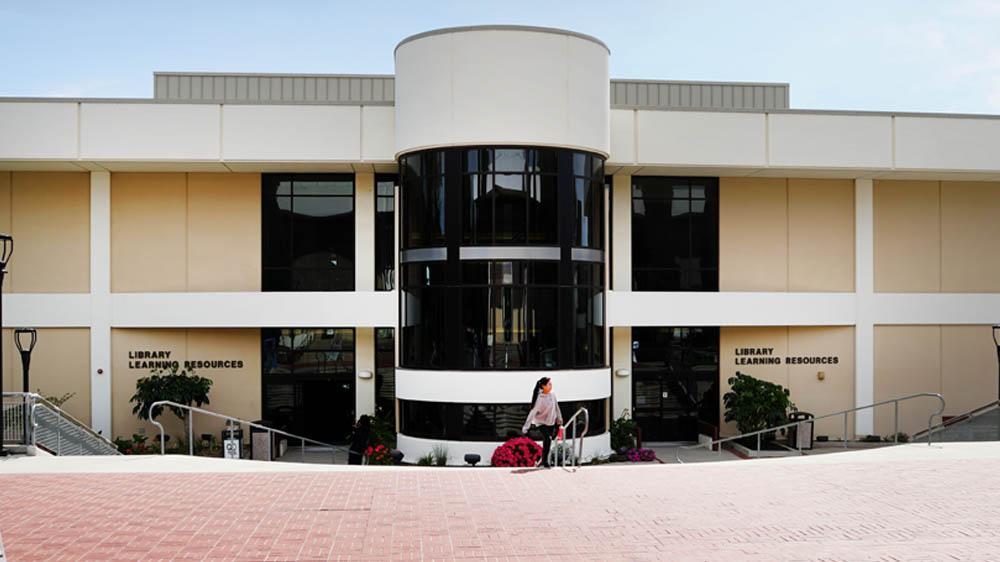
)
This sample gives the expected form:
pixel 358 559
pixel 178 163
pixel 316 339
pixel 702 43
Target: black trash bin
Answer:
pixel 232 442
pixel 801 436
pixel 260 449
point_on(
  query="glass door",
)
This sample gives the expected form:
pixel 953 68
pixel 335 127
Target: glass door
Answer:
pixel 675 378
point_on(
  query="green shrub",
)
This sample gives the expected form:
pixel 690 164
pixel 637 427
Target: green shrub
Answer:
pixel 755 404
pixel 440 453
pixel 426 460
pixel 624 431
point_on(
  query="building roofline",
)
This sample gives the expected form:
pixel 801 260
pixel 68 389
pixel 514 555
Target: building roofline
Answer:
pixel 464 28
pixel 789 111
pixel 701 82
pixel 270 74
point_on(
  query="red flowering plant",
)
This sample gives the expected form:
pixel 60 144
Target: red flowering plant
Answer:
pixel 378 454
pixel 519 451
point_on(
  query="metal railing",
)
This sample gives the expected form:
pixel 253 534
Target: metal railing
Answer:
pixel 230 421
pixel 558 454
pixel 959 419
pixel 710 445
pixel 32 420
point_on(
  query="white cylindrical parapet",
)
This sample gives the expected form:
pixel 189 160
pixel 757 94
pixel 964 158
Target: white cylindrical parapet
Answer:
pixel 502 85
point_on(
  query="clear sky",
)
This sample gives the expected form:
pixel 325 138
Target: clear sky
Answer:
pixel 906 55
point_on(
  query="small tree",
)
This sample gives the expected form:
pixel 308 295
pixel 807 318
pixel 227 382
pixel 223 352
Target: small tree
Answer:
pixel 169 384
pixel 755 404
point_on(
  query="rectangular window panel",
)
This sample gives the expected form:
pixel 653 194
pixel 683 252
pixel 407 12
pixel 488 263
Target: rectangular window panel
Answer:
pixel 675 234
pixel 307 238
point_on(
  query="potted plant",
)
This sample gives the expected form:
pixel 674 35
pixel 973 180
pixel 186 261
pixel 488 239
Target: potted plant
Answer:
pixel 756 404
pixel 182 387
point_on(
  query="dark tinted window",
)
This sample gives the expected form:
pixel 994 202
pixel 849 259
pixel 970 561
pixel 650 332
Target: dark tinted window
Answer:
pixel 485 422
pixel 307 351
pixel 307 232
pixel 385 370
pixel 385 231
pixel 510 315
pixel 675 234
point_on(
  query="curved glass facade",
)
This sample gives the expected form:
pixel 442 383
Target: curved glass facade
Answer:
pixel 483 422
pixel 503 263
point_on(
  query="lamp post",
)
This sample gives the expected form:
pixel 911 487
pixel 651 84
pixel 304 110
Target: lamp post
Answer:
pixel 6 250
pixel 25 340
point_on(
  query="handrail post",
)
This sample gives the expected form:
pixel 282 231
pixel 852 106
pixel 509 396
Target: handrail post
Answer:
pixel 270 442
pixel 798 442
pixel 895 422
pixel 845 430
pixel 303 441
pixel 758 444
pixel 58 439
pixel 190 420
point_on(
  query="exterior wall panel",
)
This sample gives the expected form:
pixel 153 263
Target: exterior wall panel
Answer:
pixel 38 130
pixel 690 138
pixel 907 237
pixel 50 222
pixel 60 365
pixel 820 235
pixel 148 232
pixel 970 233
pixel 235 391
pixel 223 232
pixel 753 234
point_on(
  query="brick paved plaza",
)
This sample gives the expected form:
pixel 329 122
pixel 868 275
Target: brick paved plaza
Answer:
pixel 904 503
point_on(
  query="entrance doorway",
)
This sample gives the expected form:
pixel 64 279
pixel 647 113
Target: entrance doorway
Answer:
pixel 308 381
pixel 675 382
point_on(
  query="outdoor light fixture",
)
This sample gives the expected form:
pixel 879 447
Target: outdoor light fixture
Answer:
pixel 364 374
pixel 25 340
pixel 621 373
pixel 6 250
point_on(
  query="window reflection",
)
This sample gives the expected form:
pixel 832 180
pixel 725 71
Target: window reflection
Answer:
pixel 675 238
pixel 307 232
pixel 483 422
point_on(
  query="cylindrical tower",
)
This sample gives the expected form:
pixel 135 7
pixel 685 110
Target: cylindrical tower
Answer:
pixel 501 137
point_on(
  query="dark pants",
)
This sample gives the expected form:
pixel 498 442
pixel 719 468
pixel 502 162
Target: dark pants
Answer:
pixel 548 433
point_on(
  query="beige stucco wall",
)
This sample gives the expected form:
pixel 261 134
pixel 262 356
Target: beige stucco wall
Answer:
pixel 820 235
pixel 834 393
pixel 970 236
pixel 778 234
pixel 936 236
pixel 48 214
pixel 235 392
pixel 173 232
pixel 60 364
pixel 957 361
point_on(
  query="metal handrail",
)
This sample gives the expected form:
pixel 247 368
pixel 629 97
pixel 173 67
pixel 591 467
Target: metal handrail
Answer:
pixel 959 419
pixel 895 434
pixel 37 399
pixel 231 420
pixel 560 447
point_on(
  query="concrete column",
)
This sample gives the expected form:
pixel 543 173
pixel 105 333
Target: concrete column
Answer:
pixel 100 303
pixel 621 387
pixel 621 236
pixel 364 231
pixel 864 288
pixel 621 280
pixel 364 352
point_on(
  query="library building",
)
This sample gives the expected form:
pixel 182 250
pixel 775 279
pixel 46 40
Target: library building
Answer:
pixel 424 246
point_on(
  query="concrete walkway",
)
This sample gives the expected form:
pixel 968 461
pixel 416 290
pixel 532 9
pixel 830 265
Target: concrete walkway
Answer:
pixel 910 502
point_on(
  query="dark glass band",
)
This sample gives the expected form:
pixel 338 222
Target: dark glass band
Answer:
pixel 484 422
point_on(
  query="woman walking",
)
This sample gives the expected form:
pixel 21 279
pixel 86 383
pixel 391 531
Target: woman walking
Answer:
pixel 545 414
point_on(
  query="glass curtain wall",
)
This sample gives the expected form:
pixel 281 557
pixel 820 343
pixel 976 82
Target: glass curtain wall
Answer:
pixel 385 231
pixel 503 259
